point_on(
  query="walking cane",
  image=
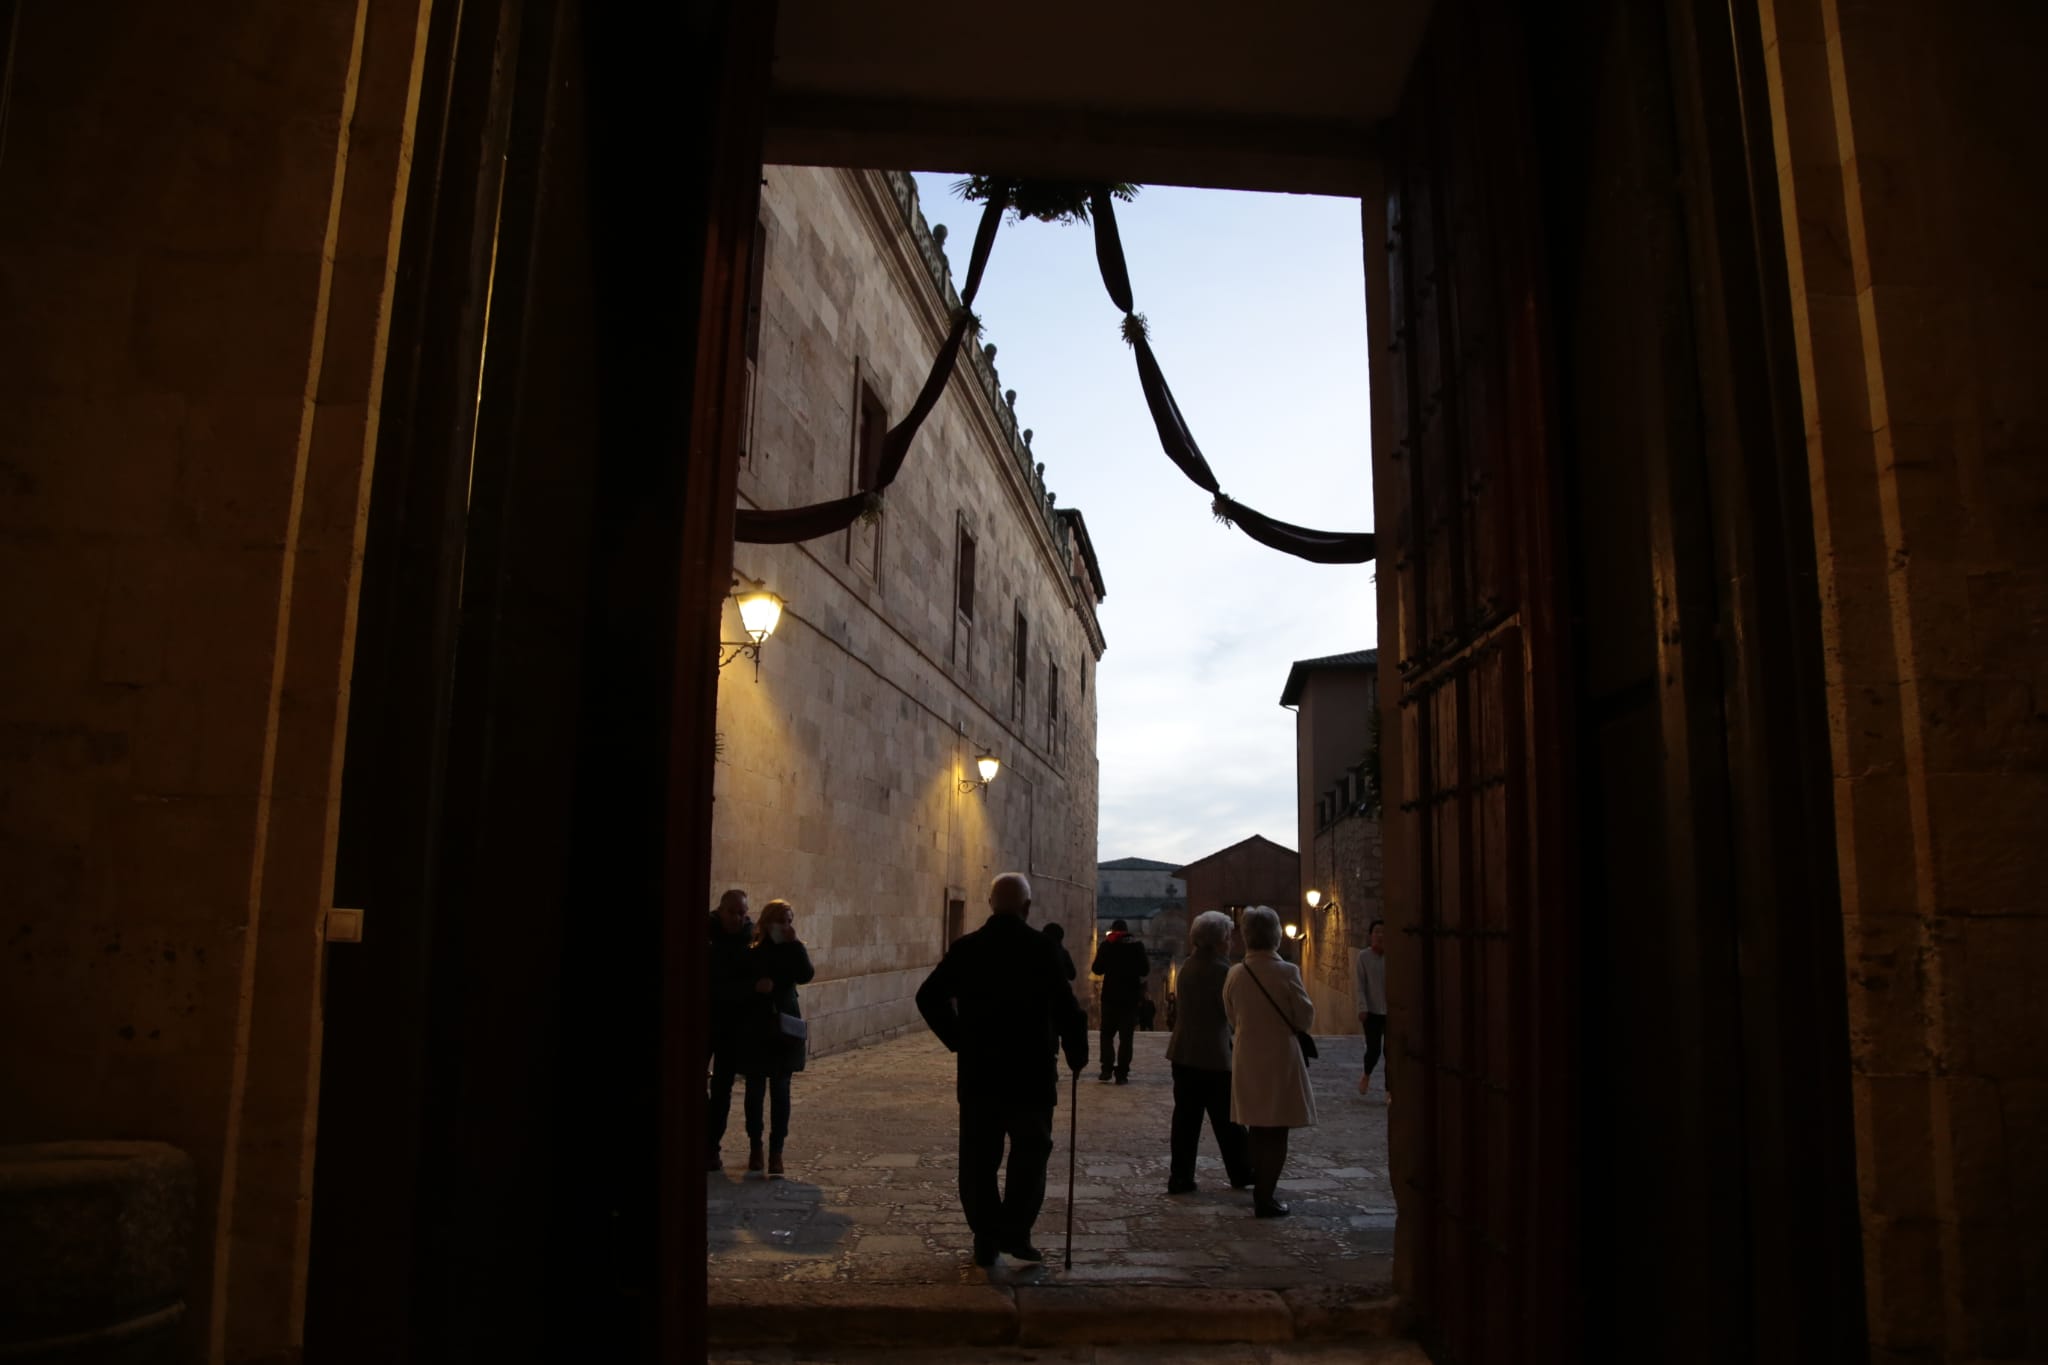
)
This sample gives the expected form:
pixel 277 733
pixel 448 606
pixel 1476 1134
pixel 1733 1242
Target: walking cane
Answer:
pixel 1073 1135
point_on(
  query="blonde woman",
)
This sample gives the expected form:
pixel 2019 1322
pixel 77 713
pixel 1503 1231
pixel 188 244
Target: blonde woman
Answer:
pixel 1269 1090
pixel 779 1039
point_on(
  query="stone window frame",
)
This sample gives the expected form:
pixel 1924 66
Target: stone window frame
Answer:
pixel 869 424
pixel 965 588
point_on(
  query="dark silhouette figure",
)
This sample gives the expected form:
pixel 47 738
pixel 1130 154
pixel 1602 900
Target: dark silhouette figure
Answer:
pixel 1058 934
pixel 734 992
pixel 1200 1053
pixel 1148 1013
pixel 774 1050
pixel 998 1001
pixel 1123 964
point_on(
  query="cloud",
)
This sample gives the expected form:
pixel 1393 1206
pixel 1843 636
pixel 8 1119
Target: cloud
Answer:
pixel 1256 305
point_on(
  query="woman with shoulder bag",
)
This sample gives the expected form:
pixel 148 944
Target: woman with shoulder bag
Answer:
pixel 780 964
pixel 1270 1016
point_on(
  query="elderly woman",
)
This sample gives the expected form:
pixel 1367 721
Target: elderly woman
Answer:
pixel 1269 1091
pixel 1200 1053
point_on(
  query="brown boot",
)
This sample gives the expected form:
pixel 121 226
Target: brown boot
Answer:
pixel 754 1159
pixel 775 1165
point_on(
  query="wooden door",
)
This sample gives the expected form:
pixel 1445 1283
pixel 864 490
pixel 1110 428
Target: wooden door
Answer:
pixel 1481 788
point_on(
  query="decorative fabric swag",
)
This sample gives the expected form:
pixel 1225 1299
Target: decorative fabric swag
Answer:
pixel 1052 201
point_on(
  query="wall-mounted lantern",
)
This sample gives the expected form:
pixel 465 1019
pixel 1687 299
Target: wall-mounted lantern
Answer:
pixel 1294 931
pixel 1314 898
pixel 988 765
pixel 760 613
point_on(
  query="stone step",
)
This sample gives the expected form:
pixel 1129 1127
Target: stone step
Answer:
pixel 769 1313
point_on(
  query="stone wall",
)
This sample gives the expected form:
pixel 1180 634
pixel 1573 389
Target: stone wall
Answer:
pixel 1913 166
pixel 1345 862
pixel 839 782
pixel 198 209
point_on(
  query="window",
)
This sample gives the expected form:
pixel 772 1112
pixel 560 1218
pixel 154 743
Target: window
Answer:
pixel 757 268
pixel 1052 708
pixel 870 425
pixel 963 594
pixel 1020 678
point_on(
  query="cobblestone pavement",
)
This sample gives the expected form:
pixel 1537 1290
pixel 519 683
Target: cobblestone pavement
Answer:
pixel 871 1194
pixel 1168 1353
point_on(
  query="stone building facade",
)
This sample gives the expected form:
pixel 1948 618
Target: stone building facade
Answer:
pixel 962 620
pixel 1254 871
pixel 1334 699
pixel 1147 895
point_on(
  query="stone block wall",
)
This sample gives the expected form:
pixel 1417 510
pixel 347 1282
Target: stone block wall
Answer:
pixel 839 783
pixel 1913 165
pixel 198 209
pixel 1345 860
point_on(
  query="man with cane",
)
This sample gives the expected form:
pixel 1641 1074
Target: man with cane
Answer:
pixel 998 1001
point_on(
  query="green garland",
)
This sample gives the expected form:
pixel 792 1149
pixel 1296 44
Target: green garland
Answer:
pixel 1048 201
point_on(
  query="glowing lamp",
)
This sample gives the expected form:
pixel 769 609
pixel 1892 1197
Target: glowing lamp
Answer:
pixel 1314 898
pixel 760 613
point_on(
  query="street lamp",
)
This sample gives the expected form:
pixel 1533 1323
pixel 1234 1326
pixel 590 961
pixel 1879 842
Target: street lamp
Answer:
pixel 760 613
pixel 988 765
pixel 1294 931
pixel 1314 898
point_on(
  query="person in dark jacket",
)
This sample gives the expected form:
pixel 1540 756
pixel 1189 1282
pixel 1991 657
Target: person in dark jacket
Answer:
pixel 773 1050
pixel 1058 934
pixel 1123 964
pixel 734 990
pixel 998 1000
pixel 1200 1053
pixel 1148 1013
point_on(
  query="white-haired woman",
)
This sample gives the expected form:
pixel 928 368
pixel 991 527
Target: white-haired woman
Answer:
pixel 1269 1090
pixel 1200 1053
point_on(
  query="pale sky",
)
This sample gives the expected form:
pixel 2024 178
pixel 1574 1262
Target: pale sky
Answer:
pixel 1257 311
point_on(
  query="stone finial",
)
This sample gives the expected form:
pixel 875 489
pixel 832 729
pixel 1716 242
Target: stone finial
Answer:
pixel 1027 446
pixel 1041 467
pixel 1010 397
pixel 939 235
pixel 988 353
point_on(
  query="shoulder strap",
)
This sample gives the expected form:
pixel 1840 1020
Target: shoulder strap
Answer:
pixel 1269 996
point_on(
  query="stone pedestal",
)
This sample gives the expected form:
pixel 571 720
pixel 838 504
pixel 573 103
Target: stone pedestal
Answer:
pixel 95 1249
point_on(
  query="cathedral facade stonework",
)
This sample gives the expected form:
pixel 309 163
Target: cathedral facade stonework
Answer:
pixel 961 621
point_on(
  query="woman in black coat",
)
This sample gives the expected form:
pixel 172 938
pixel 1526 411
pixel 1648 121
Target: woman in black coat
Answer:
pixel 779 1037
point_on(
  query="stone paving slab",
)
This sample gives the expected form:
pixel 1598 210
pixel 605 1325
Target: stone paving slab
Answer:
pixel 1170 1353
pixel 872 1194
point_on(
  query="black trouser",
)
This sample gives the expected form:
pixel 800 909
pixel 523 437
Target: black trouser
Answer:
pixel 1269 1158
pixel 1195 1093
pixel 1118 1026
pixel 1375 1034
pixel 776 1083
pixel 1003 1216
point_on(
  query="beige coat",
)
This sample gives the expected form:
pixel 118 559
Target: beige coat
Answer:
pixel 1269 1084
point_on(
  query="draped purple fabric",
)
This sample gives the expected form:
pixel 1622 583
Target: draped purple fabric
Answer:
pixel 1178 441
pixel 784 526
pixel 787 525
pixel 1174 437
pixel 1321 547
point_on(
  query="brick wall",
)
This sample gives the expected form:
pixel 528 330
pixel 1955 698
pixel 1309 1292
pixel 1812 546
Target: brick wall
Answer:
pixel 197 209
pixel 1911 163
pixel 839 783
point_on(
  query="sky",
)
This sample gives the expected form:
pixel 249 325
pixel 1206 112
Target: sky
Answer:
pixel 1256 306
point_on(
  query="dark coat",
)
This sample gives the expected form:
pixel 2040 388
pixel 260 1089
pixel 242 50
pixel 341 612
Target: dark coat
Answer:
pixel 731 991
pixel 998 1000
pixel 1123 964
pixel 764 1049
pixel 1201 1030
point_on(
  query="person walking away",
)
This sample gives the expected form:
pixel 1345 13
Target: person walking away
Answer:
pixel 1200 1053
pixel 778 1040
pixel 1123 964
pixel 1266 1003
pixel 998 1000
pixel 1369 988
pixel 1148 1013
pixel 1058 934
pixel 734 992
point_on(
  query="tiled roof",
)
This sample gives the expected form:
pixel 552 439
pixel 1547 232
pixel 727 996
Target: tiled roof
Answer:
pixel 1135 865
pixel 1135 907
pixel 1254 839
pixel 1297 676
